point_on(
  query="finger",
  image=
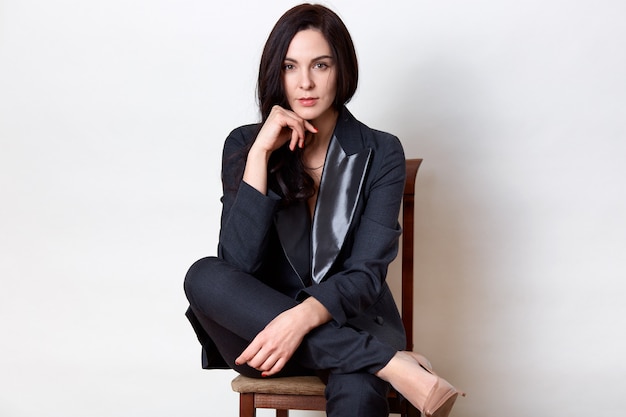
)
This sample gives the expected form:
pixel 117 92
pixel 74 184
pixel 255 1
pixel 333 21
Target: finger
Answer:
pixel 296 123
pixel 278 366
pixel 241 360
pixel 310 127
pixel 279 128
pixel 268 364
pixel 261 361
pixel 295 139
pixel 248 354
pixel 307 138
pixel 308 133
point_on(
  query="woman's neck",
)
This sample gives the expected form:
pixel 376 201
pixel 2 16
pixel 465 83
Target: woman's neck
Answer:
pixel 325 126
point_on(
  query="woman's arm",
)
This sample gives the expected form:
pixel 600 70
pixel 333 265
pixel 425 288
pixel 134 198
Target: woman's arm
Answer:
pixel 273 346
pixel 247 206
pixel 356 282
pixel 246 213
pixel 281 126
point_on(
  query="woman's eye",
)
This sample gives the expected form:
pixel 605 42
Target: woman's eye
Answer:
pixel 288 67
pixel 320 65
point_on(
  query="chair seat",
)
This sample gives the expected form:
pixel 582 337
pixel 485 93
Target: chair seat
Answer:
pixel 292 385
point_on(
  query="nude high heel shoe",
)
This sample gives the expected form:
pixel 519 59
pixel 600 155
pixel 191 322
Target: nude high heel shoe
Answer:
pixel 442 396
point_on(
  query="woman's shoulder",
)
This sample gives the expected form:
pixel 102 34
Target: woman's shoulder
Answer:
pixel 377 140
pixel 387 150
pixel 385 139
pixel 382 138
pixel 239 139
pixel 244 133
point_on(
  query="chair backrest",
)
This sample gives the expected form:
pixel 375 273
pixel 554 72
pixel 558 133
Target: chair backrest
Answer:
pixel 408 214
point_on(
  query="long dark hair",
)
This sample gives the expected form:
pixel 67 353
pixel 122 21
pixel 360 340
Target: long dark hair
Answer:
pixel 288 175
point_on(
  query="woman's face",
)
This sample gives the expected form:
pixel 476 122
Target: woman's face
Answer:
pixel 309 76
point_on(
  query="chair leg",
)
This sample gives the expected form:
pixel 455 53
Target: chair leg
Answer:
pixel 282 413
pixel 246 405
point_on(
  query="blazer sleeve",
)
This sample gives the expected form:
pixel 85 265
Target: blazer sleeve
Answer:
pixel 247 214
pixel 357 283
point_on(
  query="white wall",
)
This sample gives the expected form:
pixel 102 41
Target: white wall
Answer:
pixel 112 116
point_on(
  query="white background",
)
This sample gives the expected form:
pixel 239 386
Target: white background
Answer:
pixel 112 118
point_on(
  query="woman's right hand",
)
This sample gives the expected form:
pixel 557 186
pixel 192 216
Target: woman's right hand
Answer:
pixel 281 126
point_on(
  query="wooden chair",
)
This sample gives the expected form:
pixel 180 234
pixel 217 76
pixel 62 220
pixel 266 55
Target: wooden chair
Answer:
pixel 307 392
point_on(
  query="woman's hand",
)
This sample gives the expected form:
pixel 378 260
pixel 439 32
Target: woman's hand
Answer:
pixel 275 345
pixel 283 126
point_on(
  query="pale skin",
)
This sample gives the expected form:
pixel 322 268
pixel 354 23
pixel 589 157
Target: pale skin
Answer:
pixel 310 84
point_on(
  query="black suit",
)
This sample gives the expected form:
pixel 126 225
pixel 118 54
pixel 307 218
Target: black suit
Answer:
pixel 271 256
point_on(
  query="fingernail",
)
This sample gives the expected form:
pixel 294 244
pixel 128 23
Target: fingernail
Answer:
pixel 264 374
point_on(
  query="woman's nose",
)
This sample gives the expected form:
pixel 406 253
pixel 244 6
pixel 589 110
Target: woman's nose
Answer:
pixel 306 82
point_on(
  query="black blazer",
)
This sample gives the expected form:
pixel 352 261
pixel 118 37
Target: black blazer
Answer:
pixel 341 258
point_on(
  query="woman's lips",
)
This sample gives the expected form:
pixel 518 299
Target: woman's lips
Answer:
pixel 307 101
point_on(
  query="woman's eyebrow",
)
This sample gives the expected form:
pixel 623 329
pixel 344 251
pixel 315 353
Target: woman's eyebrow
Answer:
pixel 314 59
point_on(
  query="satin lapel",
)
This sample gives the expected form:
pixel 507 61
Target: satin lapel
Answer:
pixel 292 225
pixel 340 188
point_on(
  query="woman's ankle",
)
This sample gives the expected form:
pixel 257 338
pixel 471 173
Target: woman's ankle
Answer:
pixel 408 377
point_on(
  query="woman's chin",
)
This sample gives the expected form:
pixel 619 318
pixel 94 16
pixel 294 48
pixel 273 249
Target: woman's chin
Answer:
pixel 312 114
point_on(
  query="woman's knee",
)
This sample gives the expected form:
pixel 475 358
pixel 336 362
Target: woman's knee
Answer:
pixel 198 277
pixel 212 284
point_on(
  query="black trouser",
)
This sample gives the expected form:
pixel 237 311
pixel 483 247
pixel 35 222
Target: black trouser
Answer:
pixel 233 307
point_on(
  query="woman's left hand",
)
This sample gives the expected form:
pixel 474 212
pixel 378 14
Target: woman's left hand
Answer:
pixel 273 346
pixel 276 343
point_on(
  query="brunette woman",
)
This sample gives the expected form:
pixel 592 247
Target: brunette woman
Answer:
pixel 309 225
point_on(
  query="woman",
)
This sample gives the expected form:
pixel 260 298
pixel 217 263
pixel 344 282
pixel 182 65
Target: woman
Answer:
pixel 309 226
